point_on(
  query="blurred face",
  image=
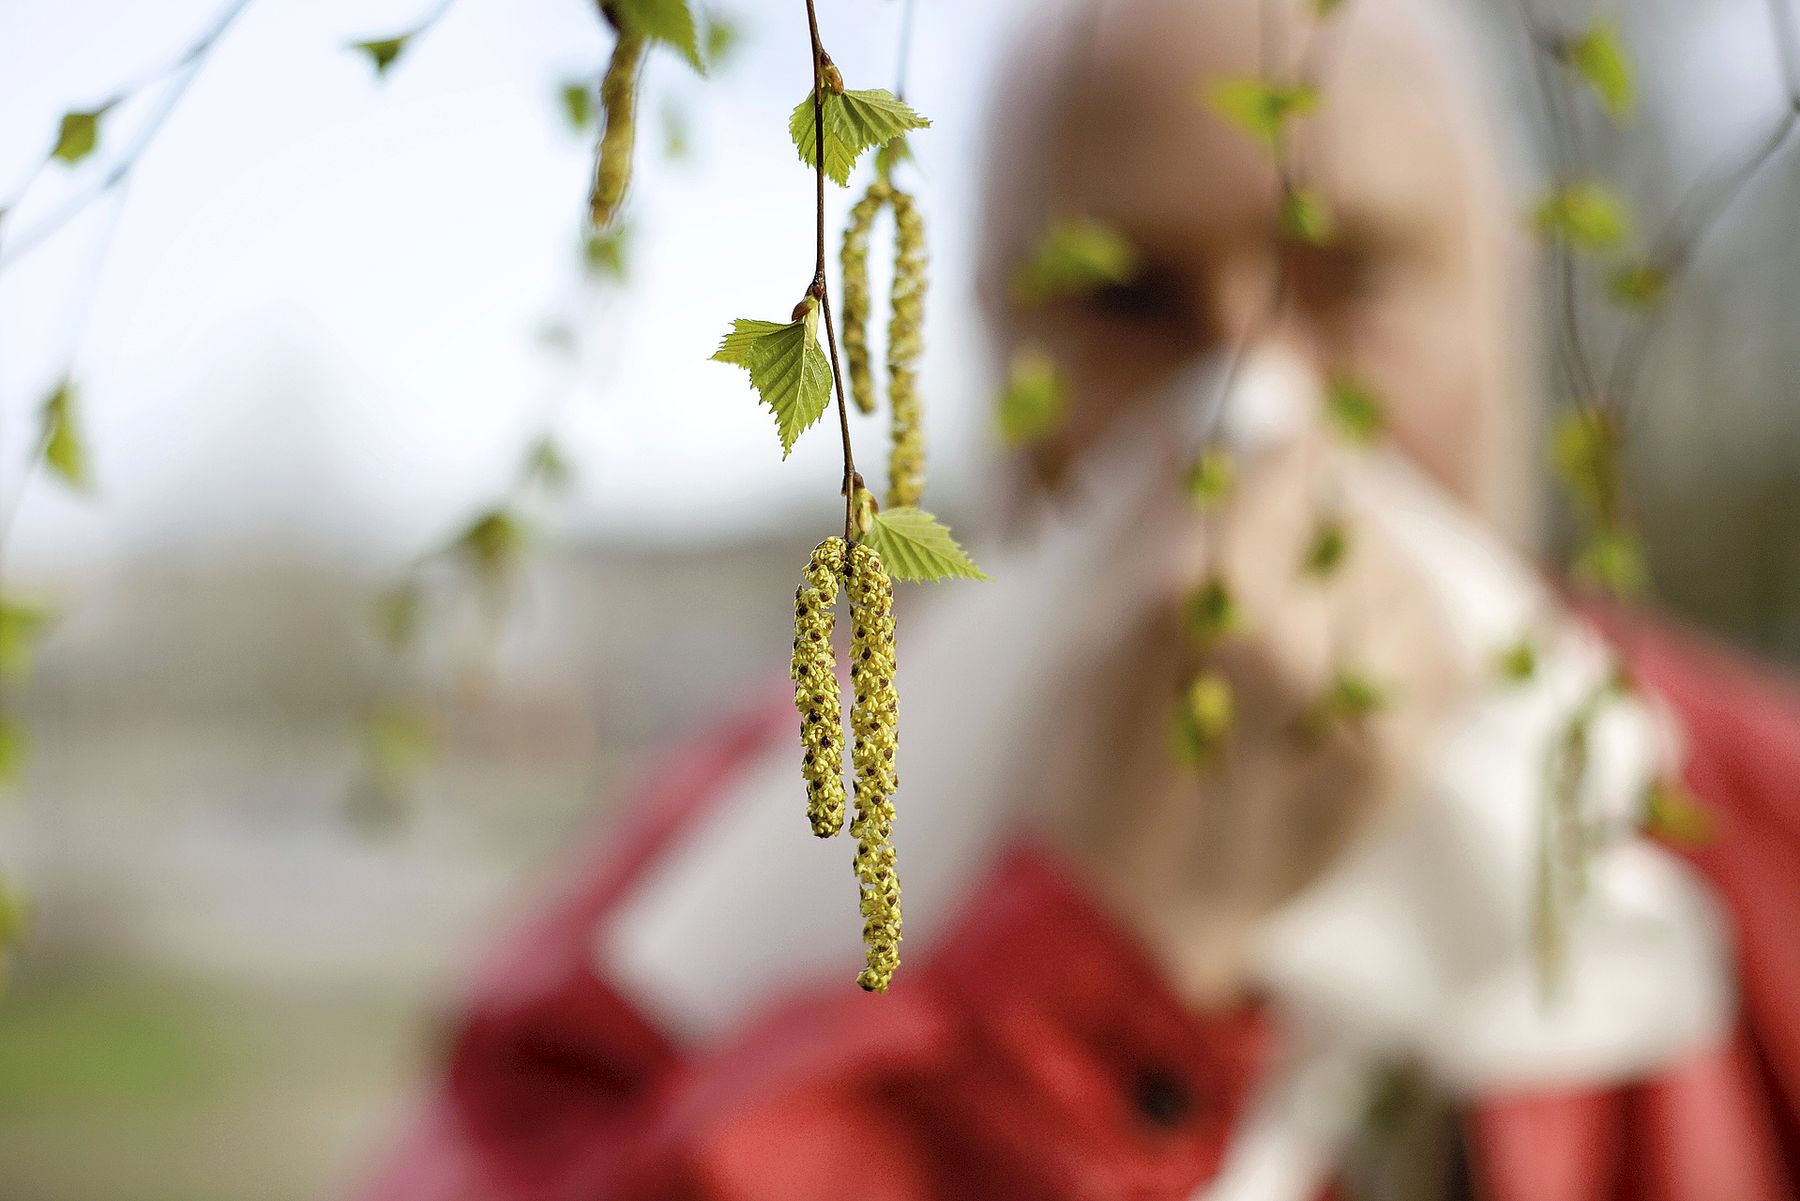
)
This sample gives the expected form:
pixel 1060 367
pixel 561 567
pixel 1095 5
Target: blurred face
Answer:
pixel 1413 294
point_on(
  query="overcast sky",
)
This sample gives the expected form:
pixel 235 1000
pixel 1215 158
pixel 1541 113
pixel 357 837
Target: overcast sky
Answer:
pixel 319 318
pixel 318 324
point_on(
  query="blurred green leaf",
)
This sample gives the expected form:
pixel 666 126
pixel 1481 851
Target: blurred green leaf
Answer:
pixel 603 252
pixel 916 546
pixel 1330 544
pixel 1306 218
pixel 1517 663
pixel 669 21
pixel 64 451
pixel 1354 409
pixel 400 740
pixel 1612 560
pixel 1203 720
pixel 1677 816
pixel 1639 286
pixel 383 52
pixel 21 626
pixel 676 143
pixel 1211 477
pixel 493 542
pixel 722 37
pixel 1211 613
pixel 1260 107
pixel 549 466
pixel 891 154
pixel 78 135
pixel 1599 58
pixel 1351 697
pixel 578 104
pixel 1035 402
pixel 1584 448
pixel 1585 215
pixel 1077 255
pixel 854 122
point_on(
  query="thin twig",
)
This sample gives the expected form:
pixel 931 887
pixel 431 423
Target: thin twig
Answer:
pixel 819 290
pixel 1673 249
pixel 188 65
pixel 905 53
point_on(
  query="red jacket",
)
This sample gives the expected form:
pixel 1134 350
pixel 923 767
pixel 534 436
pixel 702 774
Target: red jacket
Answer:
pixel 1037 1053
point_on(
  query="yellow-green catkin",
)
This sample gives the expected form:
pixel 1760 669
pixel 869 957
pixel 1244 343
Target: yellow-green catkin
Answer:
pixel 854 260
pixel 816 689
pixel 618 107
pixel 875 721
pixel 906 342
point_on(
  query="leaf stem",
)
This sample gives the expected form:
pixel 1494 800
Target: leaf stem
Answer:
pixel 819 290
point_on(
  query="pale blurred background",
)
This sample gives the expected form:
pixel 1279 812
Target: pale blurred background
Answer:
pixel 316 348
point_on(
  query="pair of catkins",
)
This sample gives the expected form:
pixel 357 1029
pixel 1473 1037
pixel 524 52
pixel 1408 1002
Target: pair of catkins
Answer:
pixel 874 721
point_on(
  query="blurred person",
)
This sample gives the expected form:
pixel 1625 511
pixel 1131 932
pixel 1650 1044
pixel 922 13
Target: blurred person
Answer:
pixel 1123 979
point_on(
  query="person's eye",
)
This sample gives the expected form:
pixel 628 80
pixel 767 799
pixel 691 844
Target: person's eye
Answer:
pixel 1343 272
pixel 1151 296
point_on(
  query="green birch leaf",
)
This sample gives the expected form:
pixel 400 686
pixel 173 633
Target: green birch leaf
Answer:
pixel 549 466
pixel 603 252
pixel 1599 58
pixel 787 367
pixel 1035 402
pixel 1676 815
pixel 735 348
pixel 1639 286
pixel 1518 663
pixel 1305 218
pixel 383 52
pixel 1212 613
pixel 78 135
pixel 668 21
pixel 1203 720
pixel 722 37
pixel 64 451
pixel 891 155
pixel 21 626
pixel 1612 560
pixel 1330 545
pixel 1585 215
pixel 914 545
pixel 1585 451
pixel 1351 697
pixel 1354 409
pixel 1259 107
pixel 1077 256
pixel 854 122
pixel 578 104
pixel 493 541
pixel 677 145
pixel 1210 478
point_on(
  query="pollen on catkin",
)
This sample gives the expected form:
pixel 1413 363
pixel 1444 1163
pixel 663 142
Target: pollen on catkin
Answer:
pixel 906 342
pixel 875 721
pixel 814 673
pixel 618 107
pixel 854 260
